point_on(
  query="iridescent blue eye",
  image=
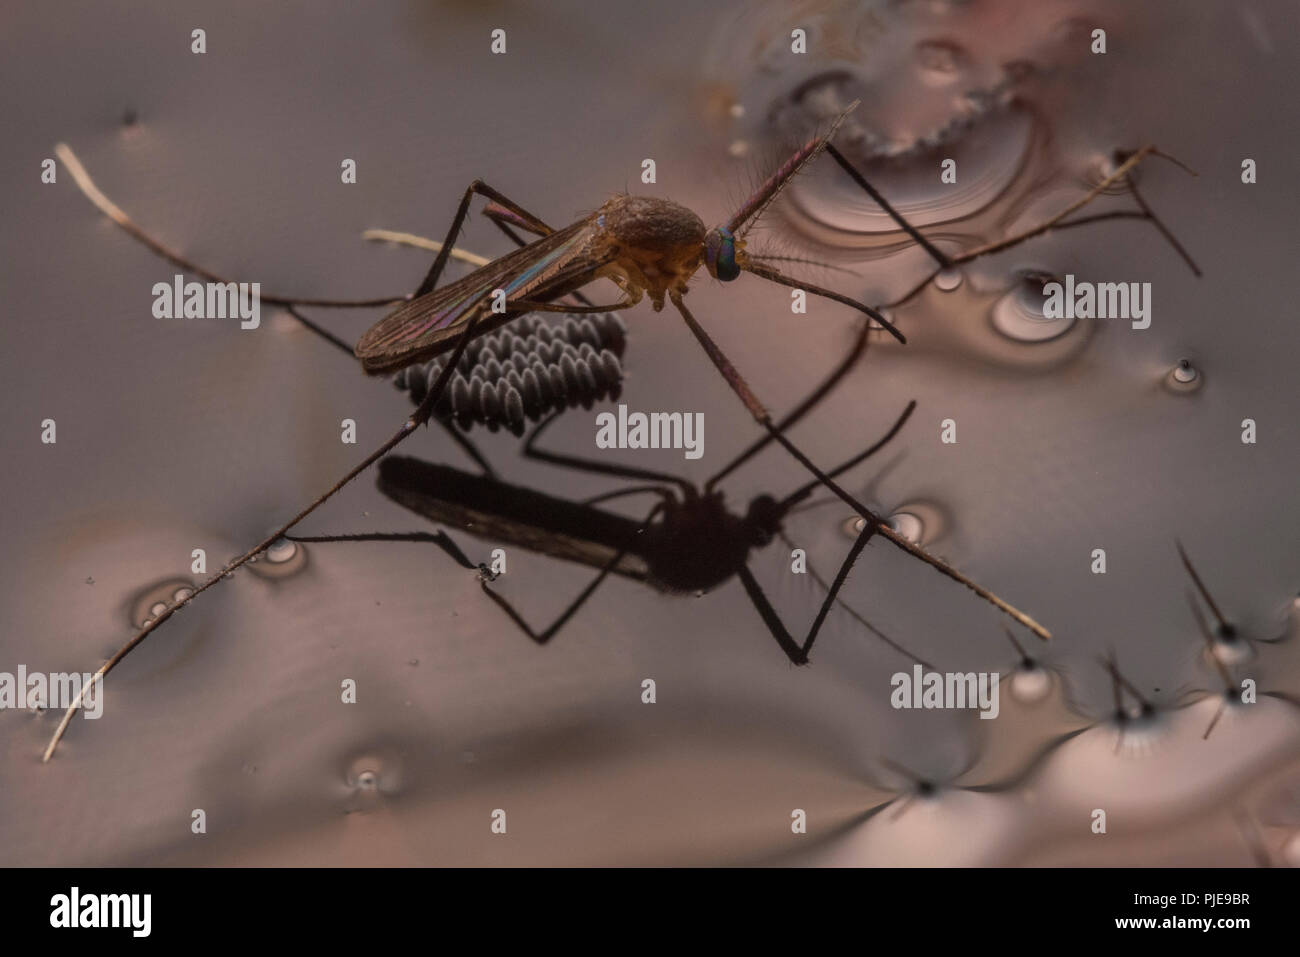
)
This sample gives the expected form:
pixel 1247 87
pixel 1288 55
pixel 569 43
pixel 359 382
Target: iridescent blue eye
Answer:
pixel 720 254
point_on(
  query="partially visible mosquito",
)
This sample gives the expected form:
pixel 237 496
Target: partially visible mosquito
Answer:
pixel 647 247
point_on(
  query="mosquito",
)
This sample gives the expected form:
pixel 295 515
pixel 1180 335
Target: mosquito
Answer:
pixel 648 247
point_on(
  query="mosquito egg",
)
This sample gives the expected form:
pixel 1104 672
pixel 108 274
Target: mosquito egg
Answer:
pixel 948 279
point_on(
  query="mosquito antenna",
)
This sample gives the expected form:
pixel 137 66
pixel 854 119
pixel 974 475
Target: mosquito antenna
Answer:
pixel 753 210
pixel 805 260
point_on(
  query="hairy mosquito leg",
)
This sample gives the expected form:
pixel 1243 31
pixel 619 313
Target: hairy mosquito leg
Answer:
pixel 798 653
pixel 115 213
pixel 549 632
pixel 760 414
pixel 853 613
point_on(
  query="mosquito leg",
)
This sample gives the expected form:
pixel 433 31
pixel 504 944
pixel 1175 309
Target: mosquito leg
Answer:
pixel 799 411
pixel 419 417
pixel 1118 174
pixel 760 414
pixel 935 253
pixel 774 275
pixel 115 213
pixel 441 539
pixel 550 631
pixel 798 653
pixel 600 468
pixel 444 253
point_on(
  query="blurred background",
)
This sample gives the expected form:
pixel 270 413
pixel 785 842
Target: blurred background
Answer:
pixel 175 435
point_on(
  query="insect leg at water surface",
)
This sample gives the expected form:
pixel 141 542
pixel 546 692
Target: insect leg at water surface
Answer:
pixel 647 247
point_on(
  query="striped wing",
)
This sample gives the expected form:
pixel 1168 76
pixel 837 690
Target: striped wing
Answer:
pixel 424 327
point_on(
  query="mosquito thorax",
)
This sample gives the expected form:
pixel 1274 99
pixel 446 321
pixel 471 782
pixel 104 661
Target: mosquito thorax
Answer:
pixel 659 243
pixel 764 519
pixel 720 254
pixel 699 543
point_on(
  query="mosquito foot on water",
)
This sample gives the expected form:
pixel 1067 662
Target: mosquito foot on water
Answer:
pixel 486 574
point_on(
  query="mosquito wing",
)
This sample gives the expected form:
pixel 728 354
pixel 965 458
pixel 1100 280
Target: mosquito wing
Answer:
pixel 543 270
pixel 492 510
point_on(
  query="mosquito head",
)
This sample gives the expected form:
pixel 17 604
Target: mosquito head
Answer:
pixel 764 519
pixel 720 254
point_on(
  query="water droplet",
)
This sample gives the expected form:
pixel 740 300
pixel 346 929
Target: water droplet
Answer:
pixel 1184 377
pixel 908 525
pixel 737 110
pixel 948 279
pixel 367 780
pixel 1031 684
pixel 853 526
pixel 282 559
pixel 738 149
pixel 1230 650
pixel 1018 313
pixel 151 602
pixel 181 594
pixel 282 550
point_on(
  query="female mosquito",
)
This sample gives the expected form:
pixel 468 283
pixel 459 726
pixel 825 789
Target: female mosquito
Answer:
pixel 649 248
